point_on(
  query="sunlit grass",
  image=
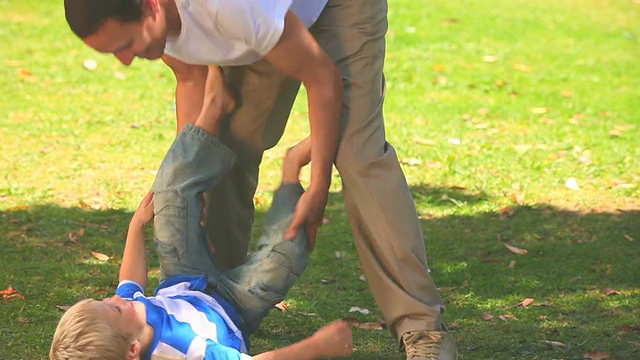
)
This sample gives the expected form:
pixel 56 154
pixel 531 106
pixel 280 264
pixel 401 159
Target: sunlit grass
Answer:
pixel 492 107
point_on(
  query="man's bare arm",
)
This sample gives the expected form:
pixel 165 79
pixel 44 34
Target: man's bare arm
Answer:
pixel 200 92
pixel 190 85
pixel 299 55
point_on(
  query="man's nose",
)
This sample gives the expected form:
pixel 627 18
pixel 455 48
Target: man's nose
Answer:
pixel 125 57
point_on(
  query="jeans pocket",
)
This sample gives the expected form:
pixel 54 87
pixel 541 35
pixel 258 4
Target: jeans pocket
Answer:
pixel 290 256
pixel 266 295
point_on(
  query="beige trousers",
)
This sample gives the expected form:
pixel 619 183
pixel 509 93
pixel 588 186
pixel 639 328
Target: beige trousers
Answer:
pixel 380 208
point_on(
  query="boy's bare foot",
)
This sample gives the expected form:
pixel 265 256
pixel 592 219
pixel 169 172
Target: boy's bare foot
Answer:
pixel 295 159
pixel 218 102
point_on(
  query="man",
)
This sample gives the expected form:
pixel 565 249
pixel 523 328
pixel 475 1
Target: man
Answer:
pixel 265 49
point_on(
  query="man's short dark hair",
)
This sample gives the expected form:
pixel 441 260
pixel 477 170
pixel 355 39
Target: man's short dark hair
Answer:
pixel 85 17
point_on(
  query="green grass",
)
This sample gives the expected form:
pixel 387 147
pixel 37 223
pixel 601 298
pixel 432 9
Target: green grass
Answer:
pixel 536 92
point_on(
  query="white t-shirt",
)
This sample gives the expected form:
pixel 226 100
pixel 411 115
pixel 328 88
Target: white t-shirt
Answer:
pixel 234 32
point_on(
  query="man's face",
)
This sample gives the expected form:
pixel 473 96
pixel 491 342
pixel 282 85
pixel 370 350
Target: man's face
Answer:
pixel 145 39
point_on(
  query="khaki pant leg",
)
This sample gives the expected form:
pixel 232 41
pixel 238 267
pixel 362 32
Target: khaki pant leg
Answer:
pixel 265 97
pixel 379 205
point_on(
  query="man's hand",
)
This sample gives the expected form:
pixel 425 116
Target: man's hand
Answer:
pixel 309 212
pixel 144 213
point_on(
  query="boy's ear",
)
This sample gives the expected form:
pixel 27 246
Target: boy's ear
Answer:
pixel 134 350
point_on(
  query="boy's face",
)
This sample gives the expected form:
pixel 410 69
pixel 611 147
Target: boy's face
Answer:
pixel 122 314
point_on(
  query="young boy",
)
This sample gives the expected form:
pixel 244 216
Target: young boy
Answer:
pixel 197 312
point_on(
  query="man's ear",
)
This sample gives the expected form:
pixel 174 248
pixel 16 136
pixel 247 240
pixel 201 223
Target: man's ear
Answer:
pixel 152 5
pixel 150 8
pixel 134 350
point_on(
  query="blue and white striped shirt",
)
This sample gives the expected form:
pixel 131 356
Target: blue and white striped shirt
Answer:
pixel 188 323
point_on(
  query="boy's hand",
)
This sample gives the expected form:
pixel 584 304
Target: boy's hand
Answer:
pixel 144 213
pixel 334 340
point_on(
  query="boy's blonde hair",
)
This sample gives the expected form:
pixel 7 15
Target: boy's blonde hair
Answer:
pixel 85 333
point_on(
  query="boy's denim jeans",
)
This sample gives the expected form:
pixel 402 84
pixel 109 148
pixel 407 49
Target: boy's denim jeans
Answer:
pixel 194 164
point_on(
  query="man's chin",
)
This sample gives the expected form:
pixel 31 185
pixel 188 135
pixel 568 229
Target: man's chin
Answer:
pixel 155 56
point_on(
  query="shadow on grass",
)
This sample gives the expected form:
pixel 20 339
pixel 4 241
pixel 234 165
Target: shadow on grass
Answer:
pixel 572 258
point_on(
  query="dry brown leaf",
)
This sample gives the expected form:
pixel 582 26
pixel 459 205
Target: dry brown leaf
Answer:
pixel 554 343
pixel 615 133
pixel 439 68
pixel 9 293
pixel 362 278
pixel 512 264
pixel 489 58
pixel 100 256
pixel 505 212
pixel 80 232
pixel 610 291
pixel 282 306
pixel 487 316
pixel 526 302
pixel 539 110
pixel 522 67
pixel 518 198
pixel 26 75
pixel 19 207
pixel 73 237
pixel 411 161
pixel 423 141
pixel 510 316
pixel 350 320
pixel 628 237
pixel 595 355
pixel 433 164
pixel 153 272
pixel 368 326
pixel 516 250
pixel 13 63
pixel 628 327
pixel 440 80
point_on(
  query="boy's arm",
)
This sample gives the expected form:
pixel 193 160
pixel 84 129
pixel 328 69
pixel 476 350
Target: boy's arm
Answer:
pixel 332 340
pixel 134 259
